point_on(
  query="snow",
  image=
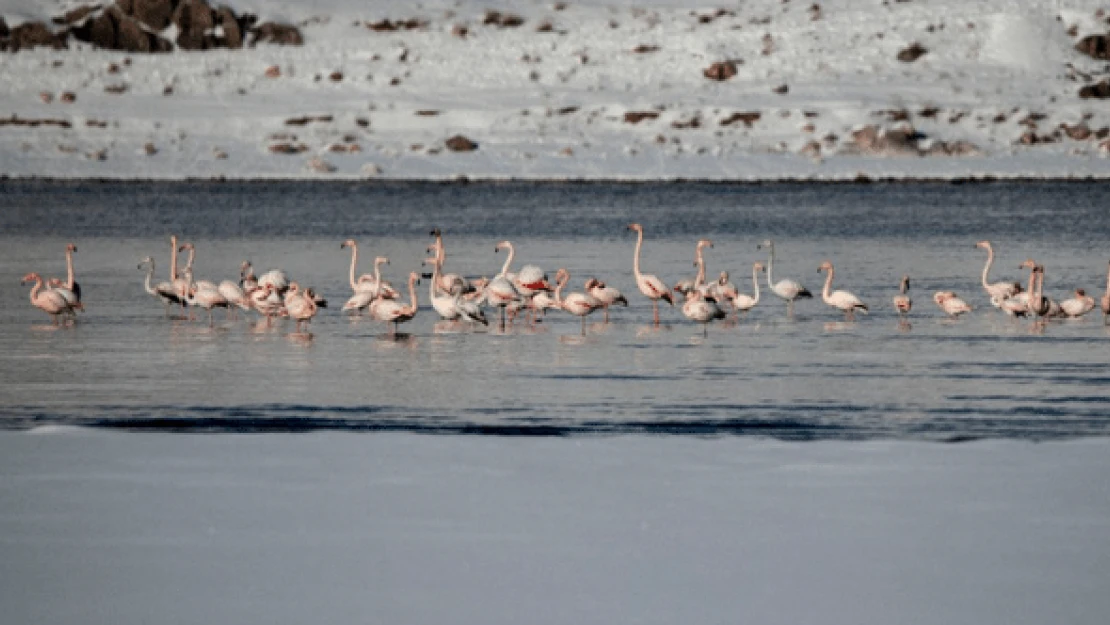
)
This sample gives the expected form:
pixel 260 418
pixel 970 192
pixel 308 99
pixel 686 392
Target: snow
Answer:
pixel 551 105
pixel 343 528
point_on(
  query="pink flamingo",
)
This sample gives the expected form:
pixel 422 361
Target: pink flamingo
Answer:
pixel 266 301
pixel 997 291
pixel 69 289
pixel 207 299
pixel 180 284
pixel 387 311
pixel 684 285
pixel 200 284
pixel 1077 306
pixel 742 302
pixel 501 291
pixel 300 305
pixel 651 286
pixel 952 305
pixel 698 308
pixel 450 283
pixel 578 304
pixel 607 295
pixel 164 291
pixel 902 301
pixel 47 301
pixel 843 300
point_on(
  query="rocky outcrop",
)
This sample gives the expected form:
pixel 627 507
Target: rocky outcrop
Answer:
pixel 912 53
pixel 280 34
pixel 33 35
pixel 1095 46
pixel 1098 91
pixel 721 70
pixel 195 21
pixel 459 143
pixel 112 29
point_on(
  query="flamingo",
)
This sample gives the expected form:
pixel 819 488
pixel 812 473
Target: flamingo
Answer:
pixel 744 302
pixel 651 286
pixel 501 291
pixel 163 291
pixel 788 290
pixel 300 305
pixel 902 301
pixel 73 305
pixel 950 303
pixel 997 291
pixel 451 283
pixel 247 279
pixel 698 281
pixel 365 282
pixel 234 295
pixel 1019 304
pixel 1106 300
pixel 180 284
pixel 721 289
pixel 48 301
pixel 266 301
pixel 607 295
pixel 443 302
pixel 393 311
pixel 275 278
pixel 206 298
pixel 1077 306
pixel 200 284
pixel 579 304
pixel 843 300
pixel 1045 306
pixel 69 289
pixel 698 308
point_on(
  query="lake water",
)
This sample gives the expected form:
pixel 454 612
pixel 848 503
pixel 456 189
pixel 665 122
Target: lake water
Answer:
pixel 126 366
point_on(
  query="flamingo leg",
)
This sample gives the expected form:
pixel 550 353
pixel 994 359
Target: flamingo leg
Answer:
pixel 210 322
pixel 583 326
pixel 705 330
pixel 606 314
pixel 655 310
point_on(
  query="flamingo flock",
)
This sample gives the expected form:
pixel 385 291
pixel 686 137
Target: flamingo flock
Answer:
pixel 529 292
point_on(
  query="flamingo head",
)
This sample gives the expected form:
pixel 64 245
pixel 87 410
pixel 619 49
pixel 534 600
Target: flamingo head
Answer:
pixel 766 244
pixel 435 232
pixel 381 260
pixel 348 243
pixel 245 267
pixel 758 267
pixel 906 282
pixel 186 246
pixel 825 266
pixel 985 244
pixel 723 280
pixel 940 296
pixel 703 243
pixel 31 277
pixel 504 245
pixel 592 283
pixel 146 261
pixel 635 227
pixel 71 248
pixel 293 288
pixel 1080 293
pixel 1028 263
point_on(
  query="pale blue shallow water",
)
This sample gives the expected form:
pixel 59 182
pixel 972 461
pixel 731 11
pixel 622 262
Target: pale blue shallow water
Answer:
pixel 126 366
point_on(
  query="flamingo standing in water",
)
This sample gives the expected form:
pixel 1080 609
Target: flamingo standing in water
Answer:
pixel 788 290
pixel 651 286
pixel 579 304
pixel 950 303
pixel 1106 300
pixel 842 300
pixel 235 297
pixel 388 311
pixel 743 302
pixel 451 283
pixel 180 284
pixel 300 305
pixel 698 281
pixel 1046 306
pixel 267 302
pixel 501 291
pixel 902 301
pixel 163 291
pixel 48 301
pixel 698 308
pixel 997 291
pixel 452 307
pixel 206 298
pixel 1019 305
pixel 70 289
pixel 1077 306
pixel 200 284
pixel 247 279
pixel 721 289
pixel 607 295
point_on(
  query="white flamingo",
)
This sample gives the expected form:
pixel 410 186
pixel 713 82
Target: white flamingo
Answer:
pixel 501 292
pixel 267 302
pixel 902 301
pixel 788 290
pixel 1077 306
pixel 365 282
pixel 206 298
pixel 163 291
pixel 698 281
pixel 842 300
pixel 997 291
pixel 247 280
pixel 200 284
pixel 578 304
pixel 300 305
pixel 1045 306
pixel 950 303
pixel 451 283
pixel 180 284
pixel 743 302
pixel 698 308
pixel 48 301
pixel 721 289
pixel 607 295
pixel 1019 305
pixel 70 289
pixel 392 311
pixel 652 287
pixel 234 295
pixel 275 278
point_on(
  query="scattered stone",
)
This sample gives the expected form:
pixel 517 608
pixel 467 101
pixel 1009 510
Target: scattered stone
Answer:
pixel 15 120
pixel 97 155
pixel 336 76
pixel 459 143
pixel 693 122
pixel 1078 132
pixel 73 16
pixel 545 27
pixel 459 30
pixel 811 149
pixel 66 148
pixel 427 113
pixel 873 141
pixel 809 128
pixel 68 97
pixel 502 20
pixel 1104 147
pixel 219 154
pixel 389 26
pixel 46 97
pixel 929 112
pixel 287 148
pixel 721 70
pixel 748 118
pixel 781 89
pixel 116 89
pixel 912 53
pixel 567 151
pixel 319 165
pixel 96 123
pixel 232 29
pixel 559 6
pixel 154 13
pixel 371 169
pixel 148 149
pixel 273 71
pixel 1095 46
pixel 306 119
pixel 33 35
pixel 635 117
pixel 644 48
pixel 362 122
pixel 167 90
pixel 280 34
pixel 1099 91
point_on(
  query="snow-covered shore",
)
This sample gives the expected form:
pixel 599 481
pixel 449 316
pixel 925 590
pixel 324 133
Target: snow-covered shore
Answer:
pixel 134 528
pixel 578 90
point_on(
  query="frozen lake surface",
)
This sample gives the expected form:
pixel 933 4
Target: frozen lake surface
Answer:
pixel 814 377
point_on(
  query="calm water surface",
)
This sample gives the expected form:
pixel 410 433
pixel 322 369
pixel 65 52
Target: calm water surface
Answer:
pixel 814 377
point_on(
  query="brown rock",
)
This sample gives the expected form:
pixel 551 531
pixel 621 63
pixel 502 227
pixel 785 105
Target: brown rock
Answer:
pixel 68 97
pixel 336 76
pixel 459 143
pixel 748 118
pixel 912 53
pixel 99 30
pixel 1078 132
pixel 130 36
pixel 233 34
pixel 502 20
pixel 154 13
pixel 1099 91
pixel 721 70
pixel 645 48
pixel 273 71
pixel 116 89
pixel 287 148
pixel 193 19
pixel 781 89
pixel 74 16
pixel 459 30
pixel 46 97
pixel 33 35
pixel 635 117
pixel 280 34
pixel 1095 46
pixel 811 149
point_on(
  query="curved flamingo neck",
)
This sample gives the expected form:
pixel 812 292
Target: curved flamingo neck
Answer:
pixel 173 258
pixel 508 260
pixel 192 254
pixel 755 282
pixel 987 267
pixel 149 276
pixel 354 261
pixel 770 265
pixel 412 293
pixel 435 279
pixel 640 245
pixel 377 279
pixel 699 279
pixel 35 290
pixel 69 268
pixel 559 289
pixel 828 285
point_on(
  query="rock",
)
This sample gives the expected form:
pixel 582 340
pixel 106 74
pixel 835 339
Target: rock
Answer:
pixel 68 97
pixel 912 53
pixel 371 169
pixel 645 48
pixel 273 71
pixel 154 13
pixel 130 36
pixel 459 143
pixel 46 97
pixel 336 76
pixel 219 154
pixel 74 16
pixel 194 19
pixel 811 149
pixel 873 141
pixel 116 89
pixel 748 118
pixel 963 148
pixel 280 34
pixel 33 35
pixel 1099 91
pixel 287 148
pixel 721 70
pixel 459 30
pixel 319 165
pixel 502 20
pixel 781 89
pixel 233 33
pixel 1104 147
pixel 148 149
pixel 4 32
pixel 635 117
pixel 1095 46
pixel 1078 132
pixel 99 31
